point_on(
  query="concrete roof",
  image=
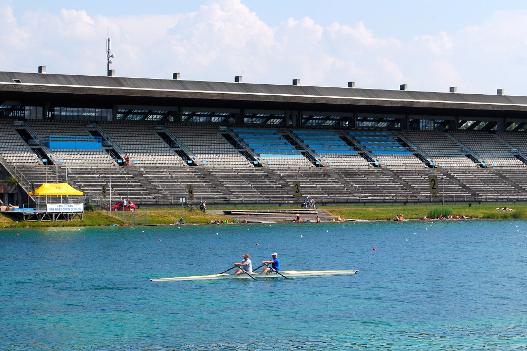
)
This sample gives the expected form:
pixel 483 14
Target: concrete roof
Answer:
pixel 185 89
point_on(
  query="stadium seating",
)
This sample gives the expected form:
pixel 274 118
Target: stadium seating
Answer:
pixel 97 185
pixel 13 148
pixel 516 141
pixel 333 151
pixel 144 146
pixel 72 158
pixel 385 148
pixel 440 148
pixel 273 148
pixel 374 185
pixel 209 147
pixel 489 148
pixel 470 165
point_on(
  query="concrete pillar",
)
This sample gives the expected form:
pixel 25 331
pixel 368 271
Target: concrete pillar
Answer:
pixel 452 124
pixel 404 123
pixel 500 126
pixel 238 118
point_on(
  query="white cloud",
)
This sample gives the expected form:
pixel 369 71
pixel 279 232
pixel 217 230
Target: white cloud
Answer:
pixel 11 33
pixel 225 38
pixel 440 44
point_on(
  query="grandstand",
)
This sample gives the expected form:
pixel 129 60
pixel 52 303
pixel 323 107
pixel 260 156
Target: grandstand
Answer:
pixel 158 141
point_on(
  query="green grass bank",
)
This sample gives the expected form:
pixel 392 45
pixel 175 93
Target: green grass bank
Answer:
pixel 166 216
pixel 419 211
pixel 148 216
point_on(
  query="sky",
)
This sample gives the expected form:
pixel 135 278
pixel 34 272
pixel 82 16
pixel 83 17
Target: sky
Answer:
pixel 476 45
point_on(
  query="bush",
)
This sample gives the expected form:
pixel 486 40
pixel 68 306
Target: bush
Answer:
pixel 12 181
pixel 439 212
pixel 89 207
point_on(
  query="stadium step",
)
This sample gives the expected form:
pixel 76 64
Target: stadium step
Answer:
pixel 362 152
pixel 177 145
pixel 18 175
pixel 108 147
pixel 454 179
pixel 241 146
pixel 400 180
pixel 139 177
pixel 244 151
pixel 469 153
pixel 507 180
pixel 213 182
pixel 299 145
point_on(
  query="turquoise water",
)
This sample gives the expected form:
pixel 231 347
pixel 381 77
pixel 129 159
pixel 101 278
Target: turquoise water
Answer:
pixel 440 286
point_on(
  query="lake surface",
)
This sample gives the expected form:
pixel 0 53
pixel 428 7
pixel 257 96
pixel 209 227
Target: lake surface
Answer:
pixel 421 286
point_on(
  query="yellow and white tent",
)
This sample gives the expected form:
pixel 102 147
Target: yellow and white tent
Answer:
pixel 56 189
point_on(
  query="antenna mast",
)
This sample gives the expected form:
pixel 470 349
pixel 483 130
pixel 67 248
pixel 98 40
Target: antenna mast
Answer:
pixel 109 57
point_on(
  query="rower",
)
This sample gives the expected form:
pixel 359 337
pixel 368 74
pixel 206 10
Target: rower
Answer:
pixel 245 265
pixel 274 262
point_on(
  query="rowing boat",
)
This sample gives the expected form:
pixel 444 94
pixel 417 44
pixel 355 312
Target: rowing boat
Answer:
pixel 285 274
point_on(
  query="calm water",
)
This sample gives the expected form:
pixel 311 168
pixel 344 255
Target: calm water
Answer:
pixel 442 286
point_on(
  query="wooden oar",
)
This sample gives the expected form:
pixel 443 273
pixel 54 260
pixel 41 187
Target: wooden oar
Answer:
pixel 274 270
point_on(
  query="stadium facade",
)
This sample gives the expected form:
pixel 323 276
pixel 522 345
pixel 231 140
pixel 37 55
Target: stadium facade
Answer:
pixel 158 141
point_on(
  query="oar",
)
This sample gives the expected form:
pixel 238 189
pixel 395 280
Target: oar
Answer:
pixel 241 270
pixel 228 270
pixel 274 270
pixel 253 278
pixel 257 268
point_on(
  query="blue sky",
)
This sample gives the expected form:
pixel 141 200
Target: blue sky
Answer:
pixel 476 45
pixel 404 17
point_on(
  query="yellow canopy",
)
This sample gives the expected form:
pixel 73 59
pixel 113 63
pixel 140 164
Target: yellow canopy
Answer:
pixel 56 189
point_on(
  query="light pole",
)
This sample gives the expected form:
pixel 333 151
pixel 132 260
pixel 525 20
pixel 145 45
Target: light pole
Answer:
pixel 110 192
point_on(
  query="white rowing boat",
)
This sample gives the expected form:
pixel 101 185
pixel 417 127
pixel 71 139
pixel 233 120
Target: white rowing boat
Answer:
pixel 286 274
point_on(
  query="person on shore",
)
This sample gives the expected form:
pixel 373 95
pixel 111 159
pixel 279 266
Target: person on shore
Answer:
pixel 274 262
pixel 244 266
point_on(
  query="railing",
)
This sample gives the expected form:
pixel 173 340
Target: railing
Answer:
pixel 179 144
pixel 515 151
pixel 366 154
pixel 18 175
pixel 287 200
pixel 108 139
pixel 472 155
pixel 311 154
pixel 245 146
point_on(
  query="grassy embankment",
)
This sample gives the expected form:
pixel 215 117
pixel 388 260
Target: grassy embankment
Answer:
pixel 164 216
pixel 410 211
pixel 155 216
pixel 417 211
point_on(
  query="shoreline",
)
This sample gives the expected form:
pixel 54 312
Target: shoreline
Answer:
pixel 355 213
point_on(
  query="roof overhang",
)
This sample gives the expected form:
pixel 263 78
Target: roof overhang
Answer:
pixel 113 87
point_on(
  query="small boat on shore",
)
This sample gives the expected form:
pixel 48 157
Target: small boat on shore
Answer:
pixel 282 275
